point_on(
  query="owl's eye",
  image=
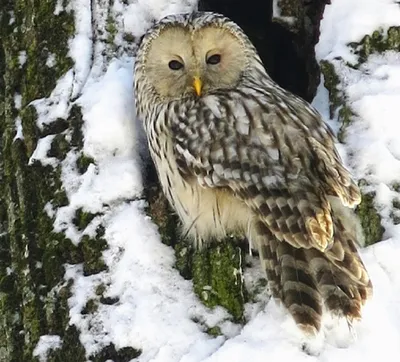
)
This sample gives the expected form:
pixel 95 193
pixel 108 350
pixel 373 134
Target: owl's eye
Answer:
pixel 214 59
pixel 175 65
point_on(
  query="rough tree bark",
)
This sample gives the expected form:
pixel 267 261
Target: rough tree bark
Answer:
pixel 33 294
pixel 31 254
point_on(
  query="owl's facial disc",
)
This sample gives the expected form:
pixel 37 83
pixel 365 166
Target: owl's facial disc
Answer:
pixel 190 63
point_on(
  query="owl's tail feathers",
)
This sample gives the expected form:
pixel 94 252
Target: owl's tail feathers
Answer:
pixel 306 280
pixel 290 279
pixel 340 274
pixel 342 296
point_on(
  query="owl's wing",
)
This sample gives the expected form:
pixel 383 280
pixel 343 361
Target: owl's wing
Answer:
pixel 278 157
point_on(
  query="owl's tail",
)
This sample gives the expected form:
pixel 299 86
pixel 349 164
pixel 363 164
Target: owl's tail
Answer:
pixel 290 279
pixel 308 280
pixel 341 276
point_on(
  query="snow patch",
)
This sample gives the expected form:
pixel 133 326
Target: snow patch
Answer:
pixel 41 150
pixel 11 14
pixel 22 58
pixel 59 7
pixel 57 105
pixel 81 46
pixel 18 127
pixel 17 100
pixel 45 345
pixel 347 21
pixel 51 60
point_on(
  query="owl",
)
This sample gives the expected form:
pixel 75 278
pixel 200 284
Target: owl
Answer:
pixel 238 155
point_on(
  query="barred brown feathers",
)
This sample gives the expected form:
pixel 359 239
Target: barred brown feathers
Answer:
pixel 236 153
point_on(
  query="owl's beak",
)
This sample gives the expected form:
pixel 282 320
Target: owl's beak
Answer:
pixel 197 85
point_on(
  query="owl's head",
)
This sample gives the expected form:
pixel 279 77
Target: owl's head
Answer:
pixel 190 55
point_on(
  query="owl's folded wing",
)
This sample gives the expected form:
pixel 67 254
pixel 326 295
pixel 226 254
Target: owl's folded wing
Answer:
pixel 284 169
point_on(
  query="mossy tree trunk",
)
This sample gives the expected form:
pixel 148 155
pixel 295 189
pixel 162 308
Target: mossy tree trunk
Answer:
pixel 33 292
pixel 31 256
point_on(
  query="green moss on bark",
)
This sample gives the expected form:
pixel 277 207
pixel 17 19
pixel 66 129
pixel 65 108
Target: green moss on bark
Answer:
pixel 83 162
pixel 108 353
pixel 216 271
pixel 57 310
pixel 331 82
pixel 71 349
pixel 59 147
pixel 82 218
pixel 370 219
pixel 91 307
pixel 76 122
pixel 217 277
pixel 58 126
pixel 162 215
pixel 111 29
pixel 378 42
pixel 214 331
pixel 31 302
pixel 92 252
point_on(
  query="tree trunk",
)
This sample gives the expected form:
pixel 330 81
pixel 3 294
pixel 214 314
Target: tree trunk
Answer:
pixel 34 55
pixel 33 296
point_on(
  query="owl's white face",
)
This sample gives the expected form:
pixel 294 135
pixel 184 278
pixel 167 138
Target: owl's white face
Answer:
pixel 182 62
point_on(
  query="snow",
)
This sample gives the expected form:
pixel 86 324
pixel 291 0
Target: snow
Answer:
pixel 18 122
pixel 51 60
pixel 156 310
pixel 81 46
pixel 17 100
pixel 45 344
pixel 55 106
pixel 109 112
pixel 141 14
pixel 348 21
pixel 22 58
pixel 40 153
pixel 12 17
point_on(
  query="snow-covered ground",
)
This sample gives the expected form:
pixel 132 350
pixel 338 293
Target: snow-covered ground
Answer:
pixel 158 311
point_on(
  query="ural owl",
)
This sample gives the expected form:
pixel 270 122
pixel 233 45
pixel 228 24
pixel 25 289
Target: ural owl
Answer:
pixel 237 154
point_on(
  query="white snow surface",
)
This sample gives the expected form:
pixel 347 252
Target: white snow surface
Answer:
pixel 45 345
pixel 347 21
pixel 157 311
